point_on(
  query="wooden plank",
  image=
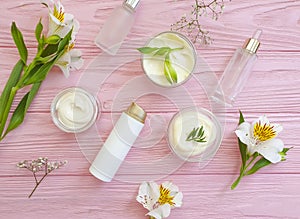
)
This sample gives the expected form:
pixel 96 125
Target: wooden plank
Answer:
pixel 150 154
pixel 209 197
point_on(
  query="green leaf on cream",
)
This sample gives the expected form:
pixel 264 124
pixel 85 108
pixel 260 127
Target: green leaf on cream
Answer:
pixel 169 71
pixel 197 135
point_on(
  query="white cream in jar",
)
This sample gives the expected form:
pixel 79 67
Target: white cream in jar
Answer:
pixel 182 60
pixel 181 126
pixel 74 110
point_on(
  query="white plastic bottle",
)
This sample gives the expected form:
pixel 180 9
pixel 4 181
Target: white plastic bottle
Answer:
pixel 118 143
pixel 116 27
pixel 237 71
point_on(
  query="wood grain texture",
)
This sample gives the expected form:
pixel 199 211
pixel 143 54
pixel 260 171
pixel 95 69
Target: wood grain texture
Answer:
pixel 71 192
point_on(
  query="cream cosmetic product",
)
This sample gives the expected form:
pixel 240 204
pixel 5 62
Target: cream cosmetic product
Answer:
pixel 118 143
pixel 116 27
pixel 183 60
pixel 180 140
pixel 74 110
pixel 237 71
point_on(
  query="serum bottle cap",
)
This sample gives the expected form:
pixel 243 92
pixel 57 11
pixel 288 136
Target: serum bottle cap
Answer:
pixel 131 3
pixel 252 44
pixel 136 112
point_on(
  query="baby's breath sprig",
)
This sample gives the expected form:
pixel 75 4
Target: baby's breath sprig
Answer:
pixel 190 24
pixel 40 165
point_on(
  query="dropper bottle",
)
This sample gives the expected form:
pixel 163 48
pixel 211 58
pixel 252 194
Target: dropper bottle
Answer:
pixel 237 71
pixel 116 27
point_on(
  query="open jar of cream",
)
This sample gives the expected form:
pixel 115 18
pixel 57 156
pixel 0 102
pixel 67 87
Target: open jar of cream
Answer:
pixel 194 134
pixel 170 53
pixel 74 110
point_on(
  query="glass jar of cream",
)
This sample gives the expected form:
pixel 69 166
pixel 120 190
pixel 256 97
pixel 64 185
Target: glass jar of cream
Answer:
pixel 74 110
pixel 194 134
pixel 181 58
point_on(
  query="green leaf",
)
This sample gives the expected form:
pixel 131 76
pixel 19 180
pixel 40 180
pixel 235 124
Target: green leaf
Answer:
pixel 147 50
pixel 262 162
pixel 197 135
pixel 54 39
pixel 242 146
pixel 169 71
pixel 64 42
pixel 283 153
pixel 40 74
pixel 49 50
pixel 18 39
pixel 21 110
pixel 38 31
pixel 163 51
pixel 241 120
pixel 11 82
pixel 46 59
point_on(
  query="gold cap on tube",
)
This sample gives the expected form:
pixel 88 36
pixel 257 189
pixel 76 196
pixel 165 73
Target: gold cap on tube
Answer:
pixel 132 3
pixel 252 44
pixel 136 112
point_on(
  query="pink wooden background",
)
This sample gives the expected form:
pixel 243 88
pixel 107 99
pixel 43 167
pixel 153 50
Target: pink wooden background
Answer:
pixel 71 192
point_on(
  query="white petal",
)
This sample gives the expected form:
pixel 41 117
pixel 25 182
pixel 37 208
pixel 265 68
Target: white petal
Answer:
pixel 60 7
pixel 277 127
pixel 243 133
pixel 161 211
pixel 47 2
pixel 170 186
pixel 76 63
pixel 59 28
pixel 148 194
pixel 270 150
pixel 263 120
pixel 69 18
pixel 64 64
pixel 65 69
pixel 178 200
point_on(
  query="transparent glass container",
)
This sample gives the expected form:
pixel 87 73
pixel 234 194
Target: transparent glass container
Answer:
pixel 183 123
pixel 74 110
pixel 116 27
pixel 183 60
pixel 237 72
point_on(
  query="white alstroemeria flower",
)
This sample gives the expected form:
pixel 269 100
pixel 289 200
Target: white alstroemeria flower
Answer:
pixel 260 136
pixel 159 200
pixel 60 23
pixel 69 61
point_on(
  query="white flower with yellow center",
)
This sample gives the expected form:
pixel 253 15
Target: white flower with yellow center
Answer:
pixel 159 200
pixel 260 137
pixel 61 23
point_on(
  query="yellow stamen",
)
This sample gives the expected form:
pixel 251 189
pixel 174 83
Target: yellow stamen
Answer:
pixel 263 132
pixel 165 196
pixel 59 14
pixel 71 46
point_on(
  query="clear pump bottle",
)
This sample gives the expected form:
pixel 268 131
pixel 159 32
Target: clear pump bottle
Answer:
pixel 237 71
pixel 116 27
pixel 118 143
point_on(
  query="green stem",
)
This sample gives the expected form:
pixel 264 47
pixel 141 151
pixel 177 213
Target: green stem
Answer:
pixel 26 73
pixel 236 182
pixel 6 111
pixel 254 156
pixel 242 172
